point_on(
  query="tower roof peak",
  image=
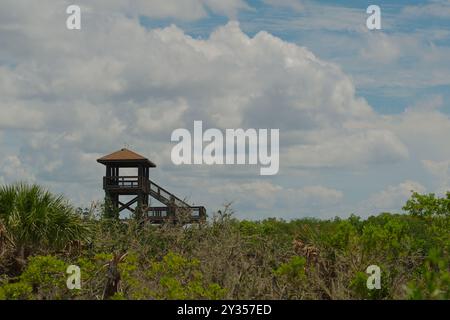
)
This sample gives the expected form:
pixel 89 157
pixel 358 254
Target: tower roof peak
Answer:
pixel 126 157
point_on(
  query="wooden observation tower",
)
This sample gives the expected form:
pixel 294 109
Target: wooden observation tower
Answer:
pixel 142 188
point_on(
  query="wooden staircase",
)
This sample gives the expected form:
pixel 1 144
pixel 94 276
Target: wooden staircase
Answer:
pixel 164 196
pixel 174 206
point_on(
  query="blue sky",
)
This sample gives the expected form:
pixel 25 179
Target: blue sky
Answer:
pixel 363 115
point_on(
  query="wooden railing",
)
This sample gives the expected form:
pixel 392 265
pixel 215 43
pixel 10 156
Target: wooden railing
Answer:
pixel 175 206
pixel 165 214
pixel 164 196
pixel 125 182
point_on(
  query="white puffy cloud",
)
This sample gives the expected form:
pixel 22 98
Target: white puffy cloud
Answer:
pixel 17 115
pixel 362 147
pixel 103 88
pixel 440 170
pixel 156 116
pixel 13 170
pixel 311 196
pixel 408 53
pixel 272 200
pixel 80 94
pixel 391 199
pixel 262 193
pixel 424 131
pixel 437 167
pixel 380 48
pixel 431 103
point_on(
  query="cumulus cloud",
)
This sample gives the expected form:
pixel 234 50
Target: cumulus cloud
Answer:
pixel 362 147
pixel 311 196
pixel 272 200
pixel 156 116
pixel 437 167
pixel 13 170
pixel 440 170
pixel 16 115
pixel 423 130
pixel 431 103
pixel 77 95
pixel 229 80
pixel 381 48
pixel 392 198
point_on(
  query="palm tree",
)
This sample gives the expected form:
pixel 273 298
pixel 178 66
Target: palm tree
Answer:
pixel 33 218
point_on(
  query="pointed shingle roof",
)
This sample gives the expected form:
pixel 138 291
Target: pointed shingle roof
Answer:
pixel 127 157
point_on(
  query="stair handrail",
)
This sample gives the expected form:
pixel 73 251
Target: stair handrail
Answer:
pixel 169 193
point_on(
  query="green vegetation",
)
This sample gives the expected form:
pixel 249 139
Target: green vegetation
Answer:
pixel 33 220
pixel 41 235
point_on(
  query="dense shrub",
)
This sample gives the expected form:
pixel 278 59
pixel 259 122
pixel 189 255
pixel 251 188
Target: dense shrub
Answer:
pixel 232 259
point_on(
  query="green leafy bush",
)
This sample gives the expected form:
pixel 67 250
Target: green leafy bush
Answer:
pixel 176 277
pixel 16 291
pixel 224 258
pixel 428 205
pixel 435 280
pixel 43 278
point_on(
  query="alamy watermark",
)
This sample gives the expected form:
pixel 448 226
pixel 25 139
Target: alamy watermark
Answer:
pixel 74 279
pixel 73 22
pixel 374 279
pixel 374 20
pixel 213 147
